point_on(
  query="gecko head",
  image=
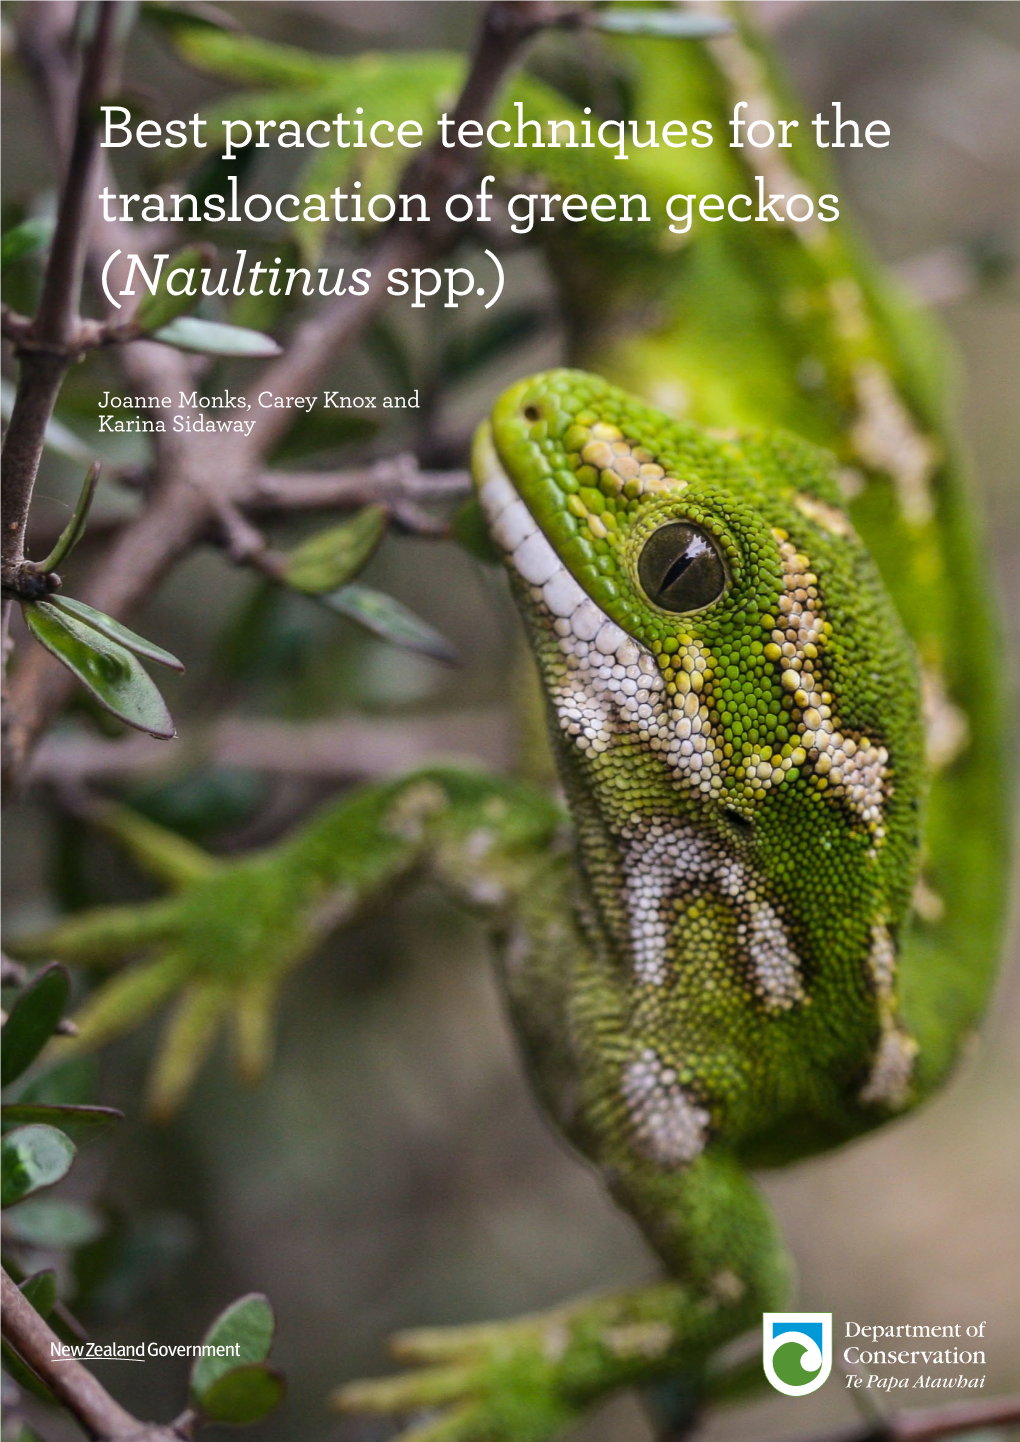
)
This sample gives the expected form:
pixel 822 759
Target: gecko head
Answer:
pixel 735 708
pixel 703 614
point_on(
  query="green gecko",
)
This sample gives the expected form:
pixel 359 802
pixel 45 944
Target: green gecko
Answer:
pixel 773 922
pixel 715 970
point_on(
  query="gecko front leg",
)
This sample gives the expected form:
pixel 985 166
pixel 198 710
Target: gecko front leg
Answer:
pixel 221 946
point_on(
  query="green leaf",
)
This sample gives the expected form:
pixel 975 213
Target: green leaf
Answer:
pixel 666 24
pixel 51 1223
pixel 80 1123
pixel 56 437
pixel 186 16
pixel 256 62
pixel 386 617
pixel 212 337
pixel 25 239
pixel 470 530
pixel 107 671
pixel 247 1325
pixel 41 1290
pixel 75 528
pixel 29 1382
pixel 158 310
pixel 114 631
pixel 33 1020
pixel 32 1158
pixel 245 1394
pixel 333 557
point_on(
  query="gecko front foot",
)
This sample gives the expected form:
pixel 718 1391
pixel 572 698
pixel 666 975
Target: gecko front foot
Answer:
pixel 494 1382
pixel 528 1379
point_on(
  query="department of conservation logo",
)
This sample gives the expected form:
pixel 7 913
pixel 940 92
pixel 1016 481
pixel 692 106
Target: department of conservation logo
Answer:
pixel 797 1350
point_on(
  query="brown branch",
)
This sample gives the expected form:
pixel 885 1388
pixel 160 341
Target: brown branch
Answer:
pixel 347 748
pixel 199 475
pixel 39 1348
pixel 389 482
pixel 85 335
pixel 950 1421
pixel 44 348
pixel 394 481
pixel 929 1424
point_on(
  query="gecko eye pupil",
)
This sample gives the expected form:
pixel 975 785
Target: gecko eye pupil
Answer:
pixel 681 567
pixel 531 413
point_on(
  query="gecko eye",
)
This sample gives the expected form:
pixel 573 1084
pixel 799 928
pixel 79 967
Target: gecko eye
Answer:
pixel 681 567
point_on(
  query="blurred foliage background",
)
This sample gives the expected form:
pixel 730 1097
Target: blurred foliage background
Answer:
pixel 392 1169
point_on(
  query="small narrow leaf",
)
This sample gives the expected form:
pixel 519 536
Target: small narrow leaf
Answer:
pixel 666 24
pixel 33 1020
pixel 248 60
pixel 173 17
pixel 41 1291
pixel 333 557
pixel 107 671
pixel 247 1324
pixel 80 1123
pixel 28 1382
pixel 157 311
pixel 212 337
pixel 386 617
pixel 32 1158
pixel 114 631
pixel 75 528
pixel 51 1223
pixel 28 238
pixel 243 1395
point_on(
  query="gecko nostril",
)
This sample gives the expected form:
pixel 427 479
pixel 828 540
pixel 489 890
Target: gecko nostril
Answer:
pixel 738 819
pixel 532 413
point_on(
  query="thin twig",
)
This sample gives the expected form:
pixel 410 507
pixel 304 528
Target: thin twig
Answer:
pixel 43 350
pixel 84 336
pixel 929 1424
pixel 397 482
pixel 937 1422
pixel 389 482
pixel 39 1348
pixel 244 543
pixel 345 748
